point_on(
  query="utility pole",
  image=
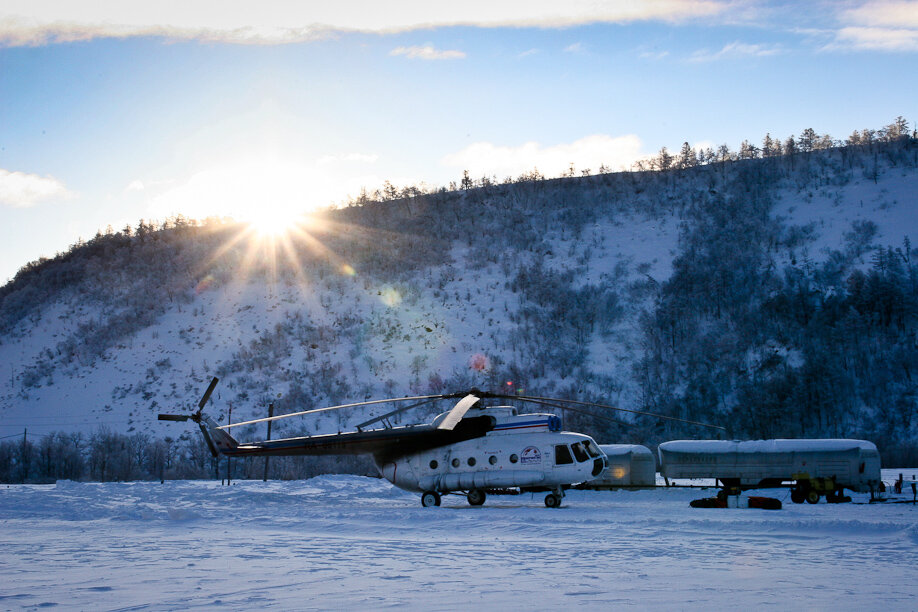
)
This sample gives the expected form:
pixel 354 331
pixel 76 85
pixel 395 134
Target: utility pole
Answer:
pixel 229 419
pixel 270 414
pixel 24 462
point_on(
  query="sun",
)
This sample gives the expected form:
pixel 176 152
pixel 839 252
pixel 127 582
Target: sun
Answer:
pixel 273 194
pixel 275 221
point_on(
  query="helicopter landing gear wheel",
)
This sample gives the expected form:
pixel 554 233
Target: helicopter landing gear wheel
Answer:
pixel 476 497
pixel 430 498
pixel 552 500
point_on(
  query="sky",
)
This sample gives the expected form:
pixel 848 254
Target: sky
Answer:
pixel 114 111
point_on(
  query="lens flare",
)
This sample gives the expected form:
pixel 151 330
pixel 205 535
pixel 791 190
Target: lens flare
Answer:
pixel 204 284
pixel 390 297
pixel 479 362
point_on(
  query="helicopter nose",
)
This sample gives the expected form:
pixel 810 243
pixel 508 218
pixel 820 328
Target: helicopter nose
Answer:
pixel 598 466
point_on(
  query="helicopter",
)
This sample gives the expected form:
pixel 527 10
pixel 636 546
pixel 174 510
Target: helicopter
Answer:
pixel 471 449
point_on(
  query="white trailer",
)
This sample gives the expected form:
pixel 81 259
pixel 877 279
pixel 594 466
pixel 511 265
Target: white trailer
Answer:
pixel 627 465
pixel 811 467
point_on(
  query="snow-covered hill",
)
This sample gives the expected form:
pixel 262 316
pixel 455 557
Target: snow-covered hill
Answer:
pixel 551 286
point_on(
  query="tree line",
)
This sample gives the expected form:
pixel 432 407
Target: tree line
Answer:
pixel 108 456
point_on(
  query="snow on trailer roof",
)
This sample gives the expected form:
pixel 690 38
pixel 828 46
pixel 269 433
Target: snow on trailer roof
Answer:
pixel 624 449
pixel 764 446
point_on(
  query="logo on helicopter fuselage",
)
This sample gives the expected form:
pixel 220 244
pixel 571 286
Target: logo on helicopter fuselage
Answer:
pixel 531 455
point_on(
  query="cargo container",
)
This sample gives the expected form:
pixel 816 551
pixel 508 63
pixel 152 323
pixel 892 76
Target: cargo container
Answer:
pixel 811 468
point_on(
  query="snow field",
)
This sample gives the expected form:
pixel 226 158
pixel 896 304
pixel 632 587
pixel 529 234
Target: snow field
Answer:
pixel 348 542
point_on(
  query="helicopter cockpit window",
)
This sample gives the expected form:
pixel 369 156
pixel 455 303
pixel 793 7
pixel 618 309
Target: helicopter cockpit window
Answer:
pixel 592 449
pixel 563 455
pixel 579 453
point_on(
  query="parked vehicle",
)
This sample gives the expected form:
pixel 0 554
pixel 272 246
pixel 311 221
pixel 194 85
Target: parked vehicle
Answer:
pixel 812 468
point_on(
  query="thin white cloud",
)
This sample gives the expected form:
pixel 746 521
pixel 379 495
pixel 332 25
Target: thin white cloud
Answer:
pixel 427 52
pixel 21 190
pixel 734 50
pixel 889 26
pixel 135 185
pixel 575 48
pixel 591 152
pixel 875 39
pixel 40 22
pixel 901 14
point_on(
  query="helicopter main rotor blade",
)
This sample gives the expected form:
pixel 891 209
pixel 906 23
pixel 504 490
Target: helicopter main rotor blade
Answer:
pixel 394 412
pixel 455 415
pixel 580 411
pixel 210 389
pixel 314 411
pixel 535 399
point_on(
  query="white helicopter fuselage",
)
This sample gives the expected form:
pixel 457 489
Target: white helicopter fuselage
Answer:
pixel 522 451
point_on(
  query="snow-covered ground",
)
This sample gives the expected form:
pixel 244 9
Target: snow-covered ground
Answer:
pixel 347 542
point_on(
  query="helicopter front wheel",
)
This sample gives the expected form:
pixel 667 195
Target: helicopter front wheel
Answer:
pixel 430 498
pixel 552 500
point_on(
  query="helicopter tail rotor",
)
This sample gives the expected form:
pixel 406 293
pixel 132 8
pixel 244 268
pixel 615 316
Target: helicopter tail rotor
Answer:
pixel 196 417
pixel 174 417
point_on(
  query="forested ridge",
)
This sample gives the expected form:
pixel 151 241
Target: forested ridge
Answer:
pixel 746 313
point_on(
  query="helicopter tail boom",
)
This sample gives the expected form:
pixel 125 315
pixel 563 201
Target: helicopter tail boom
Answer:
pixel 217 440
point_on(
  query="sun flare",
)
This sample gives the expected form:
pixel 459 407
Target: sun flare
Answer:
pixel 275 221
pixel 272 194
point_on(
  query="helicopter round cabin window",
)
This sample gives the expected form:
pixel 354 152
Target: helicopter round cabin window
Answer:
pixel 471 461
pixel 514 458
pixel 492 459
pixel 455 463
pixel 433 464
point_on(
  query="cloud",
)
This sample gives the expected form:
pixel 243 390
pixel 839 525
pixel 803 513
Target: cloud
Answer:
pixel 875 39
pixel 135 185
pixel 890 26
pixel 21 190
pixel 41 22
pixel 884 14
pixel 734 50
pixel 485 158
pixel 575 48
pixel 427 52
